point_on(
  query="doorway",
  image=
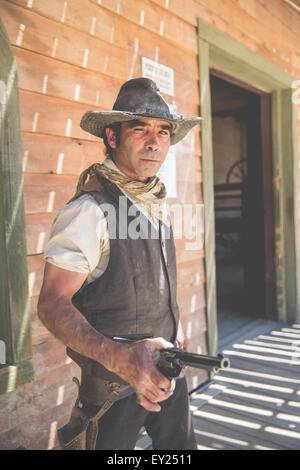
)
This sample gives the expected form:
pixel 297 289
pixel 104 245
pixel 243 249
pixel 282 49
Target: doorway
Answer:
pixel 220 54
pixel 244 224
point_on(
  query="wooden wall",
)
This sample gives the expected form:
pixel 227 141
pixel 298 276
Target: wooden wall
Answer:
pixel 73 56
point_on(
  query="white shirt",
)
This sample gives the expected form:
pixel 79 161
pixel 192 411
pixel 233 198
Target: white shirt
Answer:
pixel 70 247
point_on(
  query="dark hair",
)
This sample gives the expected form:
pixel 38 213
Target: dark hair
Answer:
pixel 117 128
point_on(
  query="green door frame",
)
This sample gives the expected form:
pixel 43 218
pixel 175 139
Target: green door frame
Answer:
pixel 16 367
pixel 222 53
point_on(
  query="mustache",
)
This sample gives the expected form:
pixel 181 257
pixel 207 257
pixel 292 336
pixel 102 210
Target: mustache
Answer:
pixel 149 154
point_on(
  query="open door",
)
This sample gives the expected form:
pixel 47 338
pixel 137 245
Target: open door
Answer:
pixel 243 175
pixel 276 171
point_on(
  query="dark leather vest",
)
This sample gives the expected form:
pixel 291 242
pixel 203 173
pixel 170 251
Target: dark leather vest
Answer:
pixel 136 295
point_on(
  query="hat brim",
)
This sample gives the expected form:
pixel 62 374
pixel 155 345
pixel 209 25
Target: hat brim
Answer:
pixel 95 122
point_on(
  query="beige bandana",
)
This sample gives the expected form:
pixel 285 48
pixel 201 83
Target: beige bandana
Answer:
pixel 150 196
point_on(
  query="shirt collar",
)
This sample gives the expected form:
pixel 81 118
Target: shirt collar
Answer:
pixel 109 163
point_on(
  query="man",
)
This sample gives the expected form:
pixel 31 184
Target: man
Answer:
pixel 100 284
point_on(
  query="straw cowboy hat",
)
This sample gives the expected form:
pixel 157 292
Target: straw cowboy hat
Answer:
pixel 138 98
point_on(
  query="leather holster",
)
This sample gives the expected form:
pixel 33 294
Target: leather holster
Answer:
pixel 95 397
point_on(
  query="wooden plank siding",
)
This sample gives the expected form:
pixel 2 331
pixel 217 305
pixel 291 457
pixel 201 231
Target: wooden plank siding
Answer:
pixel 72 56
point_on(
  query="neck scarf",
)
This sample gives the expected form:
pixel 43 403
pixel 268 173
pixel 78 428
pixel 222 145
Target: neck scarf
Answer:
pixel 149 195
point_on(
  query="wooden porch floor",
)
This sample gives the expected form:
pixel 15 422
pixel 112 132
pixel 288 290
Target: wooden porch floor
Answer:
pixel 254 405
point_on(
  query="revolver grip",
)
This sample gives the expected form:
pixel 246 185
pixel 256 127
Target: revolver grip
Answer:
pixel 167 364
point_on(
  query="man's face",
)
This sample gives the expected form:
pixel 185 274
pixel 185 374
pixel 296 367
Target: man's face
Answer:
pixel 144 145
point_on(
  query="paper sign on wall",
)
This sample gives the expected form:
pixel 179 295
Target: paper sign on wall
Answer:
pixel 161 74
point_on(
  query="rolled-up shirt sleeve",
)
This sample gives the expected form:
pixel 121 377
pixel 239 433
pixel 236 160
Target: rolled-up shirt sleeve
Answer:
pixel 78 236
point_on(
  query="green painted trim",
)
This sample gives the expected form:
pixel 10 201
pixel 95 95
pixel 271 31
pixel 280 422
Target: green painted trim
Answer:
pixel 294 155
pixel 237 53
pixel 290 201
pixel 14 300
pixel 278 202
pixel 208 197
pixel 243 70
pixel 5 323
pixel 285 186
pixel 12 377
pixel 285 177
pixel 220 52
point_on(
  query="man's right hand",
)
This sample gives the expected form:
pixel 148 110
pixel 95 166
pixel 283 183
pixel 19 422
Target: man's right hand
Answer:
pixel 134 364
pixel 131 362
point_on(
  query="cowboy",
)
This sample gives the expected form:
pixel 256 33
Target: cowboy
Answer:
pixel 109 290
